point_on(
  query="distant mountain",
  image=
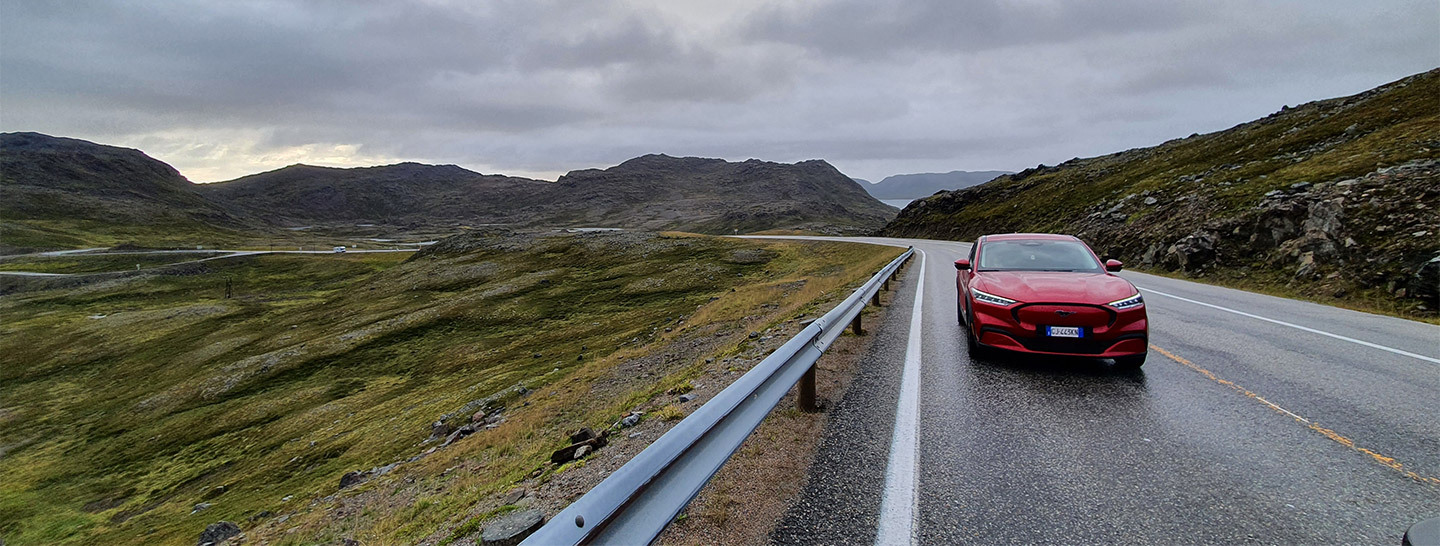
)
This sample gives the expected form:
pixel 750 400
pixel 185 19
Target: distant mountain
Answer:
pixel 650 192
pixel 712 196
pixel 915 186
pixel 401 194
pixel 1337 199
pixel 68 192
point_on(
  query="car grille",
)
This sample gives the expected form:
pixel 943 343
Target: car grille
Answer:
pixel 1064 314
pixel 1083 346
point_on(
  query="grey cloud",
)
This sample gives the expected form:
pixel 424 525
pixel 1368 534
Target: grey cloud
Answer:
pixel 869 30
pixel 549 86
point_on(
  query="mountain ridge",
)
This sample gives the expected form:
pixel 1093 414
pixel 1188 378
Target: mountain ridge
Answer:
pixel 917 185
pixel 61 192
pixel 53 190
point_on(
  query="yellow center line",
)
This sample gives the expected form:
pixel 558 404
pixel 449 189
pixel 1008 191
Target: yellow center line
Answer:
pixel 1387 461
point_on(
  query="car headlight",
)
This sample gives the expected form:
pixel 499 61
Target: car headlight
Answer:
pixel 990 298
pixel 1127 303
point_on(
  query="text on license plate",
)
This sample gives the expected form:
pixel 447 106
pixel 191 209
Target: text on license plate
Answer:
pixel 1064 331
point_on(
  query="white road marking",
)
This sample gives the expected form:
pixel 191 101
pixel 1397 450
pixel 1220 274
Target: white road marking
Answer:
pixel 897 507
pixel 1299 327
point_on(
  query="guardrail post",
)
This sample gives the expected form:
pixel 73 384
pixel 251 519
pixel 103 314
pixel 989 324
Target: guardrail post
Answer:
pixel 855 325
pixel 806 395
pixel 875 299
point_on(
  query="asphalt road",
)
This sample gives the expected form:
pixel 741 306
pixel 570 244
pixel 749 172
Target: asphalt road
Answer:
pixel 1256 420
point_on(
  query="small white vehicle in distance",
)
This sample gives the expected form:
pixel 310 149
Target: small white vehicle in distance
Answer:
pixel 339 249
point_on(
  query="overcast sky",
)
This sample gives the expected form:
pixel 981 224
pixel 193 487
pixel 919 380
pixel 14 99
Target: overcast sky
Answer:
pixel 224 88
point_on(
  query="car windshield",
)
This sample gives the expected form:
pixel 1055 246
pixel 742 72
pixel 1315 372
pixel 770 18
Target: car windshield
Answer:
pixel 1037 255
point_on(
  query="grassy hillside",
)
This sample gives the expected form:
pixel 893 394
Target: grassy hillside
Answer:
pixel 1335 200
pixel 127 403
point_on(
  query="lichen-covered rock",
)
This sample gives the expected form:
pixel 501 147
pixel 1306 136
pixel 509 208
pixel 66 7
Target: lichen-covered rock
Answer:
pixel 218 532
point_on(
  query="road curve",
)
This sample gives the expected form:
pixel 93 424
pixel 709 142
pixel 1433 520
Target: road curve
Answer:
pixel 1256 420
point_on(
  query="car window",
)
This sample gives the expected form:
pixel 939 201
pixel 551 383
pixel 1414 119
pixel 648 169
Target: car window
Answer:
pixel 1037 255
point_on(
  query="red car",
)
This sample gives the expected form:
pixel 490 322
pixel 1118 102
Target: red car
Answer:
pixel 1049 294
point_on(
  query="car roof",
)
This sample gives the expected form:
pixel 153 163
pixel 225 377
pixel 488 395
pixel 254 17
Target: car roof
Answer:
pixel 1030 237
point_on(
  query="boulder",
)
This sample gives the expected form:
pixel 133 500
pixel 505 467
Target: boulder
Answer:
pixel 1191 253
pixel 353 478
pixel 458 434
pixel 218 532
pixel 1277 224
pixel 567 453
pixel 1426 282
pixel 1154 254
pixel 513 496
pixel 582 435
pixel 1307 265
pixel 1324 217
pixel 512 528
pixel 438 430
pixel 1316 243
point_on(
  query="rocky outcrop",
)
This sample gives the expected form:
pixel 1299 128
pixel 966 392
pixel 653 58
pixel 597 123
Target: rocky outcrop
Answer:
pixel 1335 199
pixel 582 443
pixel 512 528
pixel 218 532
pixel 1376 230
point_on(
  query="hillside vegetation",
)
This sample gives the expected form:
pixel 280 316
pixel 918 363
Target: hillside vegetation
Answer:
pixel 1336 200
pixel 140 410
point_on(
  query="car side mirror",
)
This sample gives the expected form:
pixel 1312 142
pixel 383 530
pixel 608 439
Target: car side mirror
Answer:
pixel 962 264
pixel 1113 265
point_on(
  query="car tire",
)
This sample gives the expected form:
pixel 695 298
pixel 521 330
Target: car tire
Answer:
pixel 1132 362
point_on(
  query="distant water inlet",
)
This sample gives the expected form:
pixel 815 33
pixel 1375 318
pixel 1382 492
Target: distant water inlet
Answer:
pixel 897 203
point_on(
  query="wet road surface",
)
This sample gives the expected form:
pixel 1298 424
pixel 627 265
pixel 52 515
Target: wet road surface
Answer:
pixel 1255 420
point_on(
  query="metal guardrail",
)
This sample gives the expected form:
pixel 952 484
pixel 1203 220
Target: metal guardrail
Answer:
pixel 637 501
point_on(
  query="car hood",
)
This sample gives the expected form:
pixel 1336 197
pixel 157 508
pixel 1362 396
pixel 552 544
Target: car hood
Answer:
pixel 1054 287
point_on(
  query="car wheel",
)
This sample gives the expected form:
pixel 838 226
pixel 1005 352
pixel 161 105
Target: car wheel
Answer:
pixel 1133 362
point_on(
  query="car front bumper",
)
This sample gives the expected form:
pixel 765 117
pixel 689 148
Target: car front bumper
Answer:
pixel 1106 332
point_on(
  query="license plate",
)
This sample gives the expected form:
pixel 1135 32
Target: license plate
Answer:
pixel 1064 331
